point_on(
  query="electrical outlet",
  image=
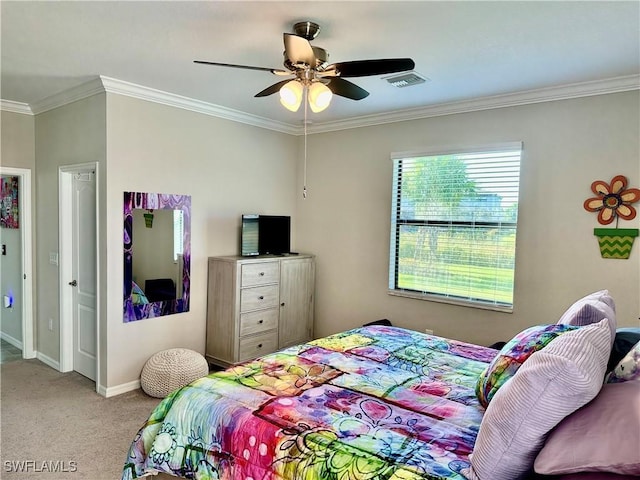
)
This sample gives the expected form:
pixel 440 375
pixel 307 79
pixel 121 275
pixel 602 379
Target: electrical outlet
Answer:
pixel 51 324
pixel 428 331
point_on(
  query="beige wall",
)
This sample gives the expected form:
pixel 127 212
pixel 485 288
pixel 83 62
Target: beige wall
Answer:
pixel 68 135
pixel 17 150
pixel 228 168
pixel 568 144
pixel 18 144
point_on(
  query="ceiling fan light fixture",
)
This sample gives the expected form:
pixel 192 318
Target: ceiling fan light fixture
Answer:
pixel 291 95
pixel 319 96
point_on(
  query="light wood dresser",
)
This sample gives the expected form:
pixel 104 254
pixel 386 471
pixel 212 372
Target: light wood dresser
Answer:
pixel 257 305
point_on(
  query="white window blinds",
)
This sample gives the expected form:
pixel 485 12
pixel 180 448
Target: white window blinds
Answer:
pixel 178 234
pixel 453 224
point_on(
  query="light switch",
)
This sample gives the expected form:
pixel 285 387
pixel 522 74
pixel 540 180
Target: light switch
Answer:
pixel 53 258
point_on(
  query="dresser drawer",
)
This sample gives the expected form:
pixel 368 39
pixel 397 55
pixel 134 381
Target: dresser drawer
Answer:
pixel 258 297
pixel 260 273
pixel 252 347
pixel 260 321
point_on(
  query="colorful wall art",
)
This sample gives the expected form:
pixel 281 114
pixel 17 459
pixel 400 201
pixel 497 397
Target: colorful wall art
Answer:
pixel 10 211
pixel 613 201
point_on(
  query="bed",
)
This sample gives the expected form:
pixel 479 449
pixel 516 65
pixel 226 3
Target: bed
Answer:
pixel 377 402
pixel 374 402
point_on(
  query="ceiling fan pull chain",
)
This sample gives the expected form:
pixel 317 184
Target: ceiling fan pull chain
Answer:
pixel 304 175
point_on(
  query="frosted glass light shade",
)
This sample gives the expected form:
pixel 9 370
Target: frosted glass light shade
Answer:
pixel 319 97
pixel 291 95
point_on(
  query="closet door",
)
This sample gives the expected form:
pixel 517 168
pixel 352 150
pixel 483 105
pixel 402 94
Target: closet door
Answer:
pixel 296 301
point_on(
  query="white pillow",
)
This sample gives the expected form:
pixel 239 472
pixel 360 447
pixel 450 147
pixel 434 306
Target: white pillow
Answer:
pixel 551 384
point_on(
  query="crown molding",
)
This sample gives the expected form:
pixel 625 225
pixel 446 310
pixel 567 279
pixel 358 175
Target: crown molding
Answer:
pixel 70 95
pixel 111 85
pixel 15 107
pixel 120 87
pixel 549 94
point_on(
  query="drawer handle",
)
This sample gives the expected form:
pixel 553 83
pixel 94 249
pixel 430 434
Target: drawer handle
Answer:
pixel 282 304
pixel 259 345
pixel 260 322
pixel 261 274
pixel 261 297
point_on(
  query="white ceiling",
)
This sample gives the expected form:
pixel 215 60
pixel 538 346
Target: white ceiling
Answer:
pixel 468 50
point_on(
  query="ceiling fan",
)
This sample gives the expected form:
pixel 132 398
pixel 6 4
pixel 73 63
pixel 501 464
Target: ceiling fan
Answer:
pixel 314 77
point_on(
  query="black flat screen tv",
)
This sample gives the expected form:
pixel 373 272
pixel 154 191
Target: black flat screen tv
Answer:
pixel 265 235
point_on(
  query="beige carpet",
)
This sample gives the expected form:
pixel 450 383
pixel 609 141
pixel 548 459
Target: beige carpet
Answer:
pixel 51 419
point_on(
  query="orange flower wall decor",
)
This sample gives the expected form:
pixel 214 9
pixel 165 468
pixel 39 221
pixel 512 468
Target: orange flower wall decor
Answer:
pixel 613 200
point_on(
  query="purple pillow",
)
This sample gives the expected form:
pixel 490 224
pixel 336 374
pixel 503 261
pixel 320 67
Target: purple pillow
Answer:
pixel 592 476
pixel 591 309
pixel 553 383
pixel 602 436
pixel 512 355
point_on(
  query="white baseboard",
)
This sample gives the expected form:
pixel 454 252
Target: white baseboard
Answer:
pixel 9 339
pixel 102 390
pixel 48 360
pixel 34 354
pixel 118 389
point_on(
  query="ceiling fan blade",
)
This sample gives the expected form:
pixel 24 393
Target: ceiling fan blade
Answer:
pixel 246 67
pixel 272 89
pixel 298 50
pixel 364 68
pixel 345 88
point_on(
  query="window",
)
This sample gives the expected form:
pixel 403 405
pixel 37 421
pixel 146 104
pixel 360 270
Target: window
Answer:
pixel 178 234
pixel 453 225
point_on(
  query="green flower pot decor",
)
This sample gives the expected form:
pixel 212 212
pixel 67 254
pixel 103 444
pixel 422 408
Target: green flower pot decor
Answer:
pixel 613 201
pixel 148 220
pixel 615 242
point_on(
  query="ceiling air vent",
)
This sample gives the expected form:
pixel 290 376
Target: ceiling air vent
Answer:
pixel 407 79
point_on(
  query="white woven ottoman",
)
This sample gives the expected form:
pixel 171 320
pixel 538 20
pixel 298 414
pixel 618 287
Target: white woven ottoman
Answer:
pixel 170 369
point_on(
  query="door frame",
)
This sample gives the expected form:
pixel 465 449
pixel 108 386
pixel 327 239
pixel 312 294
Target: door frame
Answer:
pixel 65 242
pixel 26 240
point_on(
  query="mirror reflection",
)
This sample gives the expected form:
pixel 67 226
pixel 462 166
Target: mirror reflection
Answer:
pixel 156 255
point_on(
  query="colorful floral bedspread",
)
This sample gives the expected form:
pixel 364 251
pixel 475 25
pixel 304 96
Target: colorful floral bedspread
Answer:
pixel 371 403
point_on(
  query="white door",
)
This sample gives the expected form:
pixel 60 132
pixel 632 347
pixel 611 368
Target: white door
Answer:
pixel 84 274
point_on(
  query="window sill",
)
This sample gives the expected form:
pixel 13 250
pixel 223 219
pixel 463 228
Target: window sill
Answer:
pixel 452 301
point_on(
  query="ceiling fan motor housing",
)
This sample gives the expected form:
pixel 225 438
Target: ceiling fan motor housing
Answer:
pixel 308 30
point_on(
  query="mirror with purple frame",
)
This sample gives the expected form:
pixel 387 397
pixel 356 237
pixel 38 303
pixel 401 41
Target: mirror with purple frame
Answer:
pixel 157 277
